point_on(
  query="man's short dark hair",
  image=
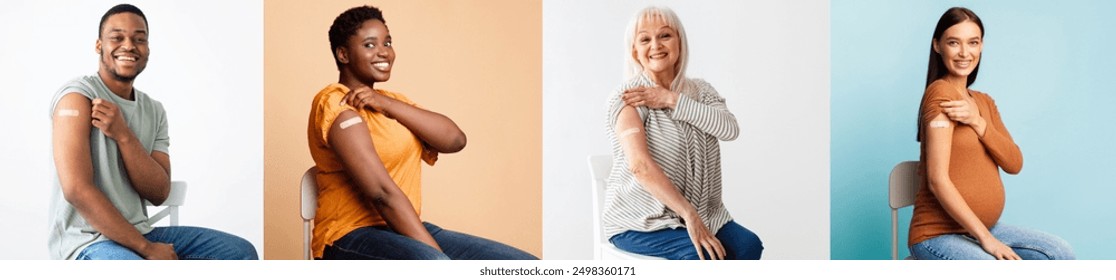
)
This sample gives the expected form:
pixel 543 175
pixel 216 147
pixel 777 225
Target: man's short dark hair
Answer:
pixel 346 25
pixel 122 8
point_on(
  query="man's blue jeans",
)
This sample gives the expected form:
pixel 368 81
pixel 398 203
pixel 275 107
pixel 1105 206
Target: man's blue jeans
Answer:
pixel 381 243
pixel 190 243
pixel 675 244
pixel 1027 243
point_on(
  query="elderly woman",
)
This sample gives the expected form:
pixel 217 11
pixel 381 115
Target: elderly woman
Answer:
pixel 964 146
pixel 368 145
pixel 664 193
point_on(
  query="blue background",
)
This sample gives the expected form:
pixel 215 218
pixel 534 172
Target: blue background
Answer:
pixel 1050 66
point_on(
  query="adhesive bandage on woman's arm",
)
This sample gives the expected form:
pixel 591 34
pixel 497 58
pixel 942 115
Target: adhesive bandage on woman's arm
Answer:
pixel 628 132
pixel 350 122
pixel 939 124
pixel 67 113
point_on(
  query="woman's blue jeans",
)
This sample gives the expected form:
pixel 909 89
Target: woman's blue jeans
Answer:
pixel 190 243
pixel 381 243
pixel 1027 243
pixel 675 244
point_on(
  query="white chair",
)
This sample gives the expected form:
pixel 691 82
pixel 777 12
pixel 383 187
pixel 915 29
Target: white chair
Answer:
pixel 902 187
pixel 175 199
pixel 309 209
pixel 599 168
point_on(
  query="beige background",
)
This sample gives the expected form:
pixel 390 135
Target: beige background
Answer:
pixel 477 62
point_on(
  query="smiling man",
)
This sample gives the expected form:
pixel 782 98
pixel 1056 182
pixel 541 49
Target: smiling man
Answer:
pixel 110 147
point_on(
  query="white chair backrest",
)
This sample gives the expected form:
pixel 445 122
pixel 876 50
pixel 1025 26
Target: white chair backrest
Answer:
pixel 309 189
pixel 309 193
pixel 177 195
pixel 903 184
pixel 902 187
pixel 175 199
pixel 599 168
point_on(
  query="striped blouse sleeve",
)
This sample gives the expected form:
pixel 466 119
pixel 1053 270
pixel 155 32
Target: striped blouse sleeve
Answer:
pixel 616 103
pixel 710 115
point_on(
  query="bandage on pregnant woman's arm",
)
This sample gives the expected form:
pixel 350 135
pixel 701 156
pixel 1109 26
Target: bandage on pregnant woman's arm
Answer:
pixel 939 124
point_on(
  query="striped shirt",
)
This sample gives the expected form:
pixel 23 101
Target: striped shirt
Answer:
pixel 683 141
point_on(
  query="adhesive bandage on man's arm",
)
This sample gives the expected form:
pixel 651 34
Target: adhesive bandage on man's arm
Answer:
pixel 628 132
pixel 350 122
pixel 939 124
pixel 67 113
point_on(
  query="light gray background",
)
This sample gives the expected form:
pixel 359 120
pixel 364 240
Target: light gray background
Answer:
pixel 206 67
pixel 769 59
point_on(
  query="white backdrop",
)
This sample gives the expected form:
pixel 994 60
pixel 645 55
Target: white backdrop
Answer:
pixel 769 59
pixel 206 67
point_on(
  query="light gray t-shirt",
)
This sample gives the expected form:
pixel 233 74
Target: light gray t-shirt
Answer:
pixel 69 232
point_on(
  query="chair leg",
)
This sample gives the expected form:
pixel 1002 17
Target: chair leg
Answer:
pixel 894 234
pixel 306 240
pixel 173 216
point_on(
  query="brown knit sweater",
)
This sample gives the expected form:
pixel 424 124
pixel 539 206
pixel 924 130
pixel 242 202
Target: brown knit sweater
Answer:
pixel 974 166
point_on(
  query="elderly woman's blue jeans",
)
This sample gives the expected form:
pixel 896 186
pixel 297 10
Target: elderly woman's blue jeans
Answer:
pixel 1027 243
pixel 675 244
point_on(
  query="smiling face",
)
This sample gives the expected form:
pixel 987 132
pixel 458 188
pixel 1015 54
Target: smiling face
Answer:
pixel 656 47
pixel 960 47
pixel 123 46
pixel 368 55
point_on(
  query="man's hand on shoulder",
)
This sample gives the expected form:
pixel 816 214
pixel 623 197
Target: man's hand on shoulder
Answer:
pixel 108 118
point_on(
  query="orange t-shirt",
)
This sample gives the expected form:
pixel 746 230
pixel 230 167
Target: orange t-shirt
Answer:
pixel 974 166
pixel 341 208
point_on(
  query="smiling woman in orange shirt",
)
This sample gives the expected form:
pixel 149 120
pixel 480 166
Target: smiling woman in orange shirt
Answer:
pixel 368 145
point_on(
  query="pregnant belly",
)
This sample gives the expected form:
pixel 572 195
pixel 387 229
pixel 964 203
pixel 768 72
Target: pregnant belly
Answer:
pixel 985 199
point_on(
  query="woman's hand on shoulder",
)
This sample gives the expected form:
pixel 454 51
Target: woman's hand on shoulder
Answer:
pixel 651 97
pixel 365 98
pixel 964 111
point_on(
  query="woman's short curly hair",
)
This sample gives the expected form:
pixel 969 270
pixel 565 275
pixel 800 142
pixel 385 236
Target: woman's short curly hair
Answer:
pixel 346 24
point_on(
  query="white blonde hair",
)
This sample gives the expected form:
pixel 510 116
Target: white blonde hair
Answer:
pixel 632 65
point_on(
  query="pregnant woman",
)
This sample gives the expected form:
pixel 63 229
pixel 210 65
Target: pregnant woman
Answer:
pixel 964 146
